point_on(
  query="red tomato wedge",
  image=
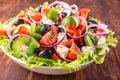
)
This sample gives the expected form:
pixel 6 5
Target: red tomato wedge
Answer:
pixel 54 57
pixel 23 30
pixel 100 31
pixel 50 37
pixel 67 43
pixel 72 31
pixel 74 51
pixel 36 16
pixel 3 33
pixel 84 12
pixel 45 11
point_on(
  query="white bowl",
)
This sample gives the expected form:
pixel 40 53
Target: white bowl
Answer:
pixel 42 69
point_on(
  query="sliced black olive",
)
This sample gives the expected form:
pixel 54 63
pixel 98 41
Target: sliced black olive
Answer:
pixel 46 53
pixel 44 29
pixel 60 29
pixel 18 21
pixel 63 14
pixel 40 8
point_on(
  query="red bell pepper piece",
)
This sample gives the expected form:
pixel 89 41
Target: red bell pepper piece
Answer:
pixel 3 33
pixel 84 12
pixel 72 31
pixel 36 16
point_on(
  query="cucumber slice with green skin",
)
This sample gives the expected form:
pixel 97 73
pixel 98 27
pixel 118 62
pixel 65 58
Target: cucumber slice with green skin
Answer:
pixel 19 42
pixel 33 44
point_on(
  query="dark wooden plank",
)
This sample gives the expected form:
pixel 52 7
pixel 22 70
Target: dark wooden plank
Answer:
pixel 105 10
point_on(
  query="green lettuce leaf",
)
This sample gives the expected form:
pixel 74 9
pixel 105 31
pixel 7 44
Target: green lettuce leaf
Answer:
pixel 94 19
pixel 111 40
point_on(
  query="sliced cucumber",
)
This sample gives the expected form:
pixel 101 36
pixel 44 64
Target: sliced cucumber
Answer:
pixel 19 42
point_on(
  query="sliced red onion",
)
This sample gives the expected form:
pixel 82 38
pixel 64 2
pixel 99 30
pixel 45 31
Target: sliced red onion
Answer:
pixel 99 26
pixel 61 4
pixel 63 59
pixel 9 28
pixel 74 9
pixel 57 41
pixel 29 14
pixel 107 50
pixel 84 23
pixel 25 20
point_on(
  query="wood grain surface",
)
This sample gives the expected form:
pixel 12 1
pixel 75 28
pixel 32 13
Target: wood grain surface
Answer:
pixel 107 11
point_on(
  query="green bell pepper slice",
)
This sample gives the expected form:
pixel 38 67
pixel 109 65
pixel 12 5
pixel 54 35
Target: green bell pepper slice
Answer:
pixel 33 33
pixel 33 44
pixel 53 15
pixel 70 21
pixel 67 21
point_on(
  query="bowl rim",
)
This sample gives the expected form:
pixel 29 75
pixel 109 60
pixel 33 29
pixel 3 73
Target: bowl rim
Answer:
pixel 22 62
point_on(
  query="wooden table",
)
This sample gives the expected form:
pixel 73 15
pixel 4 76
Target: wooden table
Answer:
pixel 106 10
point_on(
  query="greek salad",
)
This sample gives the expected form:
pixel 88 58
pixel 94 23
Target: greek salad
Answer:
pixel 56 35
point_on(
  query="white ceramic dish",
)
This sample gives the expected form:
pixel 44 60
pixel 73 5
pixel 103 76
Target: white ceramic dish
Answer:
pixel 42 69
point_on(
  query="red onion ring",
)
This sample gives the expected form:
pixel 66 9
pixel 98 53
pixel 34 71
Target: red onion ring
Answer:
pixel 98 26
pixel 62 4
pixel 29 14
pixel 74 8
pixel 57 41
pixel 26 20
pixel 63 59
pixel 11 23
pixel 9 27
pixel 84 22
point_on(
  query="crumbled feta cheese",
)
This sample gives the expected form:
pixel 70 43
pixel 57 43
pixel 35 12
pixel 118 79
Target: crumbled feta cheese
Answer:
pixel 24 50
pixel 60 36
pixel 101 41
pixel 88 49
pixel 62 50
pixel 45 20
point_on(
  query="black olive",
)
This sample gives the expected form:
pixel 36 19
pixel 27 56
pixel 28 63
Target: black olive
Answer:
pixel 63 14
pixel 46 53
pixel 18 21
pixel 37 50
pixel 60 29
pixel 40 8
pixel 91 21
pixel 44 29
